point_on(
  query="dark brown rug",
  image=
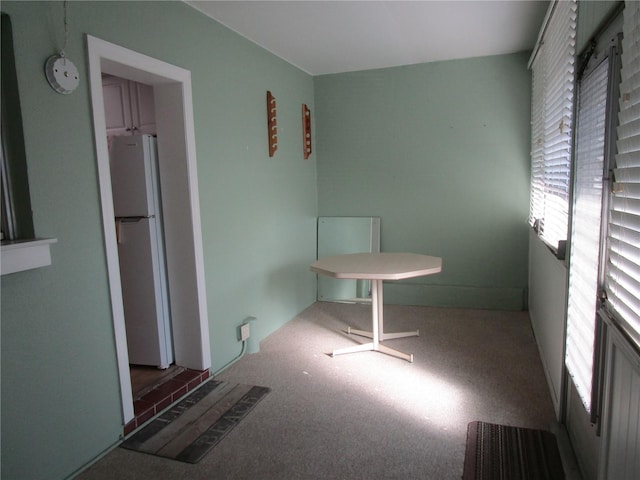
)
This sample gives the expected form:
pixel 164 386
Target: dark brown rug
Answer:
pixel 192 427
pixel 500 452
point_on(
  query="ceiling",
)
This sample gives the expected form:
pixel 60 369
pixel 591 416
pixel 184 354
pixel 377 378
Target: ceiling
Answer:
pixel 322 37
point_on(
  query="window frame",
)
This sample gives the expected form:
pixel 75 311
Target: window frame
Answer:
pixel 628 330
pixel 19 248
pixel 553 69
pixel 605 46
pixel 17 218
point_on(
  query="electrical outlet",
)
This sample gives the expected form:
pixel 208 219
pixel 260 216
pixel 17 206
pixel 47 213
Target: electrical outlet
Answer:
pixel 245 331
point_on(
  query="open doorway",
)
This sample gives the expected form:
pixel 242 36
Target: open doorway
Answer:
pixel 137 201
pixel 180 203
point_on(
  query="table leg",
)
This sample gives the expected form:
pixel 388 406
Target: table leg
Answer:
pixel 382 336
pixel 377 327
pixel 376 311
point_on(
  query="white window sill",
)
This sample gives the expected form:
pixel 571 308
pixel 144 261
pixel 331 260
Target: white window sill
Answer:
pixel 21 255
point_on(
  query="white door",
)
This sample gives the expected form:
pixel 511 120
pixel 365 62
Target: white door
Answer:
pixel 129 106
pixel 143 112
pixel 117 105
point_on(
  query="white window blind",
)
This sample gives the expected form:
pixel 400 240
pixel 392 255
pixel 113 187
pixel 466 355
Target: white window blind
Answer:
pixel 623 262
pixel 586 224
pixel 551 129
pixel 536 209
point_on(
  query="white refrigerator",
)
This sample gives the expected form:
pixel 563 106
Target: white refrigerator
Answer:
pixel 138 217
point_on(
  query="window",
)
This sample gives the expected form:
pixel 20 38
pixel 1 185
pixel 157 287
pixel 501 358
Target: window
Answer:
pixel 17 223
pixel 20 250
pixel 596 107
pixel 552 112
pixel 622 282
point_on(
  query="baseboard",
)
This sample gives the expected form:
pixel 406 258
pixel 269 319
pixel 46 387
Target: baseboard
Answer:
pixel 489 298
pixel 569 462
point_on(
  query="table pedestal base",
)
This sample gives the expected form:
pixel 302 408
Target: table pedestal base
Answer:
pixel 370 347
pixel 377 335
pixel 383 336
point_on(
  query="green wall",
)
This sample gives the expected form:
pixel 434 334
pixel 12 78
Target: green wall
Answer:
pixel 60 390
pixel 440 152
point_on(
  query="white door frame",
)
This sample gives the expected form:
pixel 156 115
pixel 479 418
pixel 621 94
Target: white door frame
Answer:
pixel 181 206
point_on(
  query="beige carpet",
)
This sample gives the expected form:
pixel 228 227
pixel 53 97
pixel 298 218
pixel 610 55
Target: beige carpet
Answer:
pixel 368 415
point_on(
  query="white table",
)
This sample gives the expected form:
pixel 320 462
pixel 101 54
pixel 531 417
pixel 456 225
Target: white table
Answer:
pixel 377 267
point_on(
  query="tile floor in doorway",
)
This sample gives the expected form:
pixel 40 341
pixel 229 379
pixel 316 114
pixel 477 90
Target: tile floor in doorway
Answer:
pixel 154 390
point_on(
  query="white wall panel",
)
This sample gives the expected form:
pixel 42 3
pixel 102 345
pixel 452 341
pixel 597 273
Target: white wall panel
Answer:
pixel 547 303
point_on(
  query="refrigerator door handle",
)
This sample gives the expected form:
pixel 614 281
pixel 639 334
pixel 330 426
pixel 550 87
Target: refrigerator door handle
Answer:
pixel 134 219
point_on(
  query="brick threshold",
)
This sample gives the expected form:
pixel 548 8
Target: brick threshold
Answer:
pixel 165 394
